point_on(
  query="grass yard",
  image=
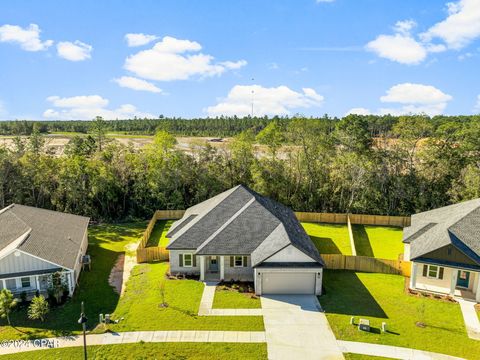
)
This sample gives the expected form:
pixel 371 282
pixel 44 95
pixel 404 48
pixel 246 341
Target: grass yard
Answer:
pixel 350 356
pixel 141 310
pixel 228 297
pixel 159 232
pixel 381 297
pixel 383 242
pixel 106 243
pixel 165 351
pixel 329 238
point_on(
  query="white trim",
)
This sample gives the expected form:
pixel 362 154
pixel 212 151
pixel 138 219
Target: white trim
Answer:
pixel 191 260
pixel 7 250
pixel 235 261
pixel 437 276
pixel 6 208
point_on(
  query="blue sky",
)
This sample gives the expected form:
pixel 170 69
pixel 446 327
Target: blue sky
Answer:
pixel 74 60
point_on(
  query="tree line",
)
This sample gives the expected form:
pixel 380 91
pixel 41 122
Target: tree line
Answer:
pixel 216 127
pixel 414 164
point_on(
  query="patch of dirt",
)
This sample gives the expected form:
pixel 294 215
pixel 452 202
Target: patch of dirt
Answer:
pixel 123 267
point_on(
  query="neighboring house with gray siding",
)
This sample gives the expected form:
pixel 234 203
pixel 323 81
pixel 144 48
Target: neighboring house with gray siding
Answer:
pixel 35 243
pixel 242 235
pixel 444 248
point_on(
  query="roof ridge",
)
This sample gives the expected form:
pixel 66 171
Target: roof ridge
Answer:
pixel 465 215
pixel 50 210
pixel 228 222
pixel 199 217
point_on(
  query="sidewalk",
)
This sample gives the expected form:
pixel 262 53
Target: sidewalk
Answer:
pixel 393 352
pixel 137 336
pixel 472 323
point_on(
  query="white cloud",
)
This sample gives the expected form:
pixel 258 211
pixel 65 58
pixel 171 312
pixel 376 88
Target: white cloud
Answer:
pixel 461 26
pixel 137 84
pixel 266 101
pixel 139 39
pixel 400 47
pixel 415 98
pixel 74 51
pixel 477 105
pixel 28 38
pixel 87 107
pixel 358 111
pixel 171 59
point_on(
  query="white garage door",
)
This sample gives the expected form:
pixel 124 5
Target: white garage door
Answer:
pixel 288 283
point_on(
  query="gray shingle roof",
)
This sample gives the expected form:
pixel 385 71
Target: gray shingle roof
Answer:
pixel 241 221
pixel 54 236
pixel 11 228
pixel 434 229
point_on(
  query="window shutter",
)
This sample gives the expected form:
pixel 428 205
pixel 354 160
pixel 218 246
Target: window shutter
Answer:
pixel 425 269
pixel 231 261
pixel 180 259
pixel 440 273
pixel 244 261
pixel 194 260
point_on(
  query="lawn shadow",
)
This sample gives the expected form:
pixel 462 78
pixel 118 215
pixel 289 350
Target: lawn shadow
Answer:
pixel 346 294
pixel 325 245
pixel 361 240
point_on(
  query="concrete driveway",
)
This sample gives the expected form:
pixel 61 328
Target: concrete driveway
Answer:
pixel 296 328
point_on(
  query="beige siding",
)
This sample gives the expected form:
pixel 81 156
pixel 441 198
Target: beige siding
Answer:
pixel 24 262
pixel 435 285
pixel 238 273
pixel 290 254
pixel 175 267
pixel 78 263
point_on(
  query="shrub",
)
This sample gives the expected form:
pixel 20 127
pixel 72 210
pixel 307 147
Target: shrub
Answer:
pixel 38 308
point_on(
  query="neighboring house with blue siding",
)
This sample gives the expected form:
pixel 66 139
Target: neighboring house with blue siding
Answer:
pixel 444 248
pixel 35 243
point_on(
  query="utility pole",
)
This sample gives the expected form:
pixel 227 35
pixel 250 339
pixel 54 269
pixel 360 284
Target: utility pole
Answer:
pixel 83 320
pixel 253 93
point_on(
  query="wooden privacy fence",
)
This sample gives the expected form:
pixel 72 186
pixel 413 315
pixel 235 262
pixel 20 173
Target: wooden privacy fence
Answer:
pixel 366 264
pixel 363 219
pixel 155 253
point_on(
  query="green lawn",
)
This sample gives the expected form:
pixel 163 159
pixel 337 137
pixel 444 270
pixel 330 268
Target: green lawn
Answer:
pixel 141 310
pixel 350 356
pixel 158 235
pixel 165 351
pixel 383 242
pixel 381 297
pixel 227 297
pixel 106 243
pixel 329 238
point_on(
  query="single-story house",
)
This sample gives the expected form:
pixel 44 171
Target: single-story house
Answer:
pixel 444 248
pixel 242 235
pixel 35 243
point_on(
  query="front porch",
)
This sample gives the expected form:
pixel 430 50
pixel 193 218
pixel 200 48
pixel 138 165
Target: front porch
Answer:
pixel 212 268
pixel 33 282
pixel 453 281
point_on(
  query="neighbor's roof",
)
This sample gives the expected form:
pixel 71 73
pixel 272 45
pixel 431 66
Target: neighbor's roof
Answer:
pixel 240 221
pixel 53 236
pixel 457 224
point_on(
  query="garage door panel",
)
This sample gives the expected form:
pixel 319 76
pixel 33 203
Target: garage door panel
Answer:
pixel 288 283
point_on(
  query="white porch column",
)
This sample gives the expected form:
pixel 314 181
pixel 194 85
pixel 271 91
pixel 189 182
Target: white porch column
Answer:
pixel 37 282
pixel 453 283
pixel 477 295
pixel 222 268
pixel 413 276
pixel 69 282
pixel 202 268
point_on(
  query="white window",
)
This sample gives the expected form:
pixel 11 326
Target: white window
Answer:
pixel 25 282
pixel 187 260
pixel 238 261
pixel 433 271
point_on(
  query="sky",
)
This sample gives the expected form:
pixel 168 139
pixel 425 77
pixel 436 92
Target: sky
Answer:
pixel 199 58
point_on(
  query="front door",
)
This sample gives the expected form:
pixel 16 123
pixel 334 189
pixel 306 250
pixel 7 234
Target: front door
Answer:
pixel 213 266
pixel 463 279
